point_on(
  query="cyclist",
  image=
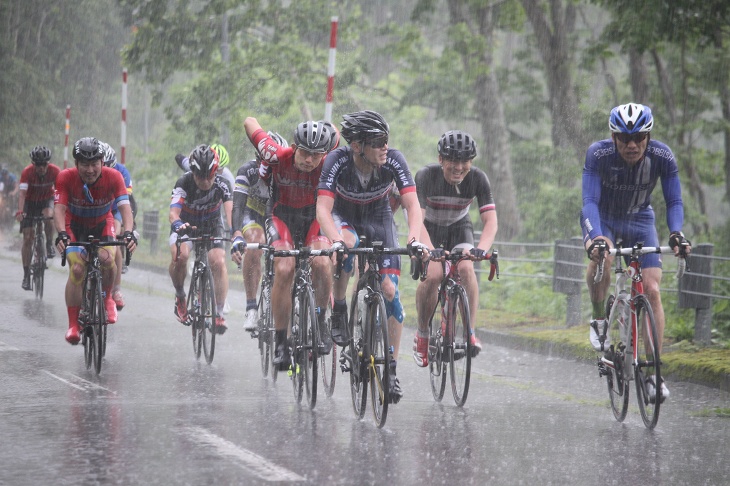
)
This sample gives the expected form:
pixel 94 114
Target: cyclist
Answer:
pixel 223 160
pixel 353 199
pixel 196 202
pixel 35 199
pixel 83 201
pixel 110 160
pixel 445 192
pixel 619 176
pixel 294 171
pixel 250 205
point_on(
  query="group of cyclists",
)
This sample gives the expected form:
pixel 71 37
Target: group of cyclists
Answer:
pixel 316 193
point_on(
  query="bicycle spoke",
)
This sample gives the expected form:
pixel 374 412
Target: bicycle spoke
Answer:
pixel 358 371
pixel 308 352
pixel 647 368
pixel 436 364
pixel 457 339
pixel 328 362
pixel 378 359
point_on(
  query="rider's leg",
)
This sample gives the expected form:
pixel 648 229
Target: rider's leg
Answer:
pixel 652 279
pixel 217 261
pixel 427 295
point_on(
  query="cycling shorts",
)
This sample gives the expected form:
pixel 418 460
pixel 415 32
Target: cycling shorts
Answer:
pixel 252 220
pixel 217 231
pixel 32 209
pixel 449 236
pixel 385 232
pixel 295 226
pixel 631 229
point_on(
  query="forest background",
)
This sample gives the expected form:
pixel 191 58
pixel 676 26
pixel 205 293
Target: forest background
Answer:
pixel 532 80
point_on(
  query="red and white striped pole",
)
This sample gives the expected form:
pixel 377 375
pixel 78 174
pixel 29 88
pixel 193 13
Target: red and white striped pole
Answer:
pixel 65 143
pixel 124 116
pixel 331 70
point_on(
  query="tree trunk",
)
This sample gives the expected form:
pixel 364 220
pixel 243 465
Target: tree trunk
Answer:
pixel 638 77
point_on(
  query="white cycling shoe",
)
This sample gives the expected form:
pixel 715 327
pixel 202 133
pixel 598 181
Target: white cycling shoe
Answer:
pixel 597 328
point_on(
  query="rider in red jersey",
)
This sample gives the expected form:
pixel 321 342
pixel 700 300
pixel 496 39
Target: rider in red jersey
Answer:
pixel 84 198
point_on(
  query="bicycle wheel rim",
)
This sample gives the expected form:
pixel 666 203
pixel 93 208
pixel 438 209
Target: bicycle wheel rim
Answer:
pixel 460 347
pixel 358 372
pixel 648 362
pixel 263 331
pixel 208 314
pixel 380 358
pixel 436 364
pixel 328 362
pixel 87 339
pixel 296 370
pixel 617 381
pixel 308 354
pixel 194 316
pixel 98 320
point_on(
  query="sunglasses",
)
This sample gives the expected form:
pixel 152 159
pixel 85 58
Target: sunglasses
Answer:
pixel 625 138
pixel 378 142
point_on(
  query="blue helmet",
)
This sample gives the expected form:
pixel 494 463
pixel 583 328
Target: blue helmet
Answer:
pixel 631 118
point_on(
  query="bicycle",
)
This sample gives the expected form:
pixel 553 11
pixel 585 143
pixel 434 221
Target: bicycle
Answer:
pixel 449 343
pixel 369 356
pixel 634 350
pixel 92 316
pixel 265 332
pixel 39 257
pixel 202 310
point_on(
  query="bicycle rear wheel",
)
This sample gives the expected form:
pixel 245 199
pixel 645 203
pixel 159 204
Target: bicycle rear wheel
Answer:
pixel 308 330
pixel 379 359
pixel 460 352
pixel 616 378
pixel 264 323
pixel 648 362
pixel 358 369
pixel 208 315
pixel 436 365
pixel 328 362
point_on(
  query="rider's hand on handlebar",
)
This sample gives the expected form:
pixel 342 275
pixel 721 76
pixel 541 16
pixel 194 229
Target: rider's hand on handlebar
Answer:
pixel 180 227
pixel 237 247
pixel 131 239
pixel 596 247
pixel 62 241
pixel 681 245
pixel 437 254
pixel 478 253
pixel 19 215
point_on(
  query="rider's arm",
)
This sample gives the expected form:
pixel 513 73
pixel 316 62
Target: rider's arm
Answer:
pixel 325 204
pixel 591 189
pixel 489 230
pixel 227 208
pixel 59 217
pixel 409 201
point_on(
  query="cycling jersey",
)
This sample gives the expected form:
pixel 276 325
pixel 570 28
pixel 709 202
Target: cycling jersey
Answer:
pixel 127 182
pixel 38 188
pixel 90 206
pixel 446 204
pixel 614 191
pixel 295 189
pixel 254 190
pixel 198 207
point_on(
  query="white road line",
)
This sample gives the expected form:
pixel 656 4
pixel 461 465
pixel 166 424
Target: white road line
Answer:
pixel 7 347
pixel 83 385
pixel 251 461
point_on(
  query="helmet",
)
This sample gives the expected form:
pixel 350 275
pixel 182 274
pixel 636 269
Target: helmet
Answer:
pixel 631 118
pixel 110 156
pixel 223 158
pixel 280 141
pixel 457 145
pixel 203 161
pixel 362 125
pixel 87 148
pixel 315 136
pixel 40 155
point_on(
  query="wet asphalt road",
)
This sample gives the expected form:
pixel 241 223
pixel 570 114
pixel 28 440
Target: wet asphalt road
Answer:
pixel 157 416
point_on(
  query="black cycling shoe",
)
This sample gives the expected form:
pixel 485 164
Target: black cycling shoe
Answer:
pixel 26 282
pixel 325 345
pixel 50 251
pixel 339 327
pixel 395 390
pixel 282 358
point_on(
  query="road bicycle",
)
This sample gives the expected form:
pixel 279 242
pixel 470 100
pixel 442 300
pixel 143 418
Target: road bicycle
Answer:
pixel 368 356
pixel 265 331
pixel 449 345
pixel 633 351
pixel 39 261
pixel 92 316
pixel 202 310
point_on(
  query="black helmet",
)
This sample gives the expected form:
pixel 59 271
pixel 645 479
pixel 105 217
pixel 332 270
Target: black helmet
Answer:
pixel 315 136
pixel 280 141
pixel 363 125
pixel 457 145
pixel 87 148
pixel 40 155
pixel 203 161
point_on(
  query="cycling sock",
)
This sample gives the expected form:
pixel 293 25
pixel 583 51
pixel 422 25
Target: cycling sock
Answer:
pixel 180 293
pixel 250 304
pixel 280 338
pixel 219 308
pixel 26 271
pixel 340 305
pixel 599 310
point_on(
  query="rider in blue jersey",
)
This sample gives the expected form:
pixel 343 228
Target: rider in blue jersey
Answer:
pixel 619 176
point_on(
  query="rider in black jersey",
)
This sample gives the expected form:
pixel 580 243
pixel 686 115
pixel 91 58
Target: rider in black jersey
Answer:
pixel 445 192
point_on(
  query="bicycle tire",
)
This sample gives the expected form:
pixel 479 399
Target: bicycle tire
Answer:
pixel 38 267
pixel 98 321
pixel 436 355
pixel 648 363
pixel 459 345
pixel 379 359
pixel 358 370
pixel 297 343
pixel 208 313
pixel 308 353
pixel 194 317
pixel 328 362
pixel 263 313
pixel 87 339
pixel 617 381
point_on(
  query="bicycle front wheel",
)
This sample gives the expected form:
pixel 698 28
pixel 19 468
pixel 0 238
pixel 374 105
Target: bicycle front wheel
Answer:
pixel 647 370
pixel 88 341
pixel 458 340
pixel 208 315
pixel 297 343
pixel 616 378
pixel 379 359
pixel 328 362
pixel 98 324
pixel 264 323
pixel 436 365
pixel 308 330
pixel 194 315
pixel 358 368
pixel 38 268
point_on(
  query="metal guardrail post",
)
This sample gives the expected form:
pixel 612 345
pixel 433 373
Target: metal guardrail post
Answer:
pixel 568 270
pixel 695 291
